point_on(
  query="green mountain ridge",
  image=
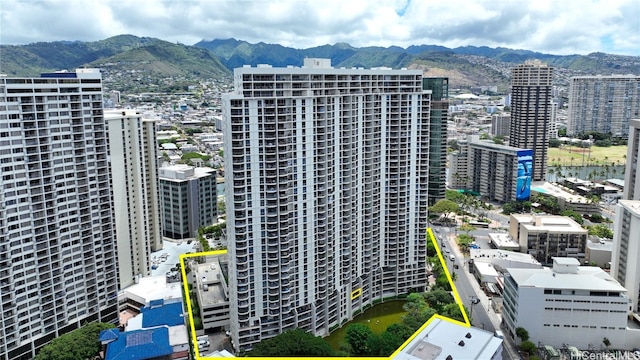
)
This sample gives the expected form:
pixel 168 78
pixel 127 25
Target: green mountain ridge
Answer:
pixel 154 58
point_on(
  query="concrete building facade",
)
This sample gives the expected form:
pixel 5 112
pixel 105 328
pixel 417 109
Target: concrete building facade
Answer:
pixel 531 86
pixel 493 171
pixel 625 267
pixel 438 117
pixel 188 200
pixel 133 154
pixel 631 179
pixel 548 236
pixel 500 124
pixel 326 196
pixel 58 260
pixel 567 305
pixel 604 104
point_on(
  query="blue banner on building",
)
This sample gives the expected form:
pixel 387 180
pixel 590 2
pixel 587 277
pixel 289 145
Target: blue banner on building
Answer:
pixel 525 164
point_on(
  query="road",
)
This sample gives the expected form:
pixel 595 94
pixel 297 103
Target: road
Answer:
pixel 468 291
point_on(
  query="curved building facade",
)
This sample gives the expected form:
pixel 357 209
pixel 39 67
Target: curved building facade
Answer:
pixel 327 187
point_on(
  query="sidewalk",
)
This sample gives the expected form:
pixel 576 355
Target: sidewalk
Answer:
pixel 496 319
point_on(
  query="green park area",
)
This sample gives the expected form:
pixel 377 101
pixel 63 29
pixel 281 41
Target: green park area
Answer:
pixel 377 318
pixel 595 155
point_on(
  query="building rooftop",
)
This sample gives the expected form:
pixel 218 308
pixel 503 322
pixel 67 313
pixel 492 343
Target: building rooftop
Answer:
pixel 153 288
pixel 210 274
pixel 442 339
pixel 559 192
pixel 180 172
pixel 140 345
pixel 170 314
pixel 591 278
pixel 503 241
pixel 631 205
pixel 549 223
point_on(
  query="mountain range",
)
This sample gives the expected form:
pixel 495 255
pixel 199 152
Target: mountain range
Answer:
pixel 151 58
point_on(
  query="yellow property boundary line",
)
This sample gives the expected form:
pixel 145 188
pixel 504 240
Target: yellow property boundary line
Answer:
pixel 430 236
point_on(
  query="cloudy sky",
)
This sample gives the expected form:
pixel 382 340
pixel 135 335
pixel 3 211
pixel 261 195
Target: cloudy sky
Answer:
pixel 549 26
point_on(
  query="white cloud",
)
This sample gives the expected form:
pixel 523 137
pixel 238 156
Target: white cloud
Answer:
pixel 558 27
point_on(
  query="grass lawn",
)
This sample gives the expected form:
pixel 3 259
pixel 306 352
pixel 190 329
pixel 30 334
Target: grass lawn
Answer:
pixel 377 318
pixel 598 156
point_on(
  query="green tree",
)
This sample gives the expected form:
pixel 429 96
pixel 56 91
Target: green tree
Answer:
pixel 554 143
pixel 292 343
pixel 601 230
pixel 438 298
pixel 528 347
pixel 574 215
pixel 221 207
pixel 522 333
pixel 79 344
pixel 400 330
pixel 452 311
pixel 444 207
pixel 357 335
pixel 385 344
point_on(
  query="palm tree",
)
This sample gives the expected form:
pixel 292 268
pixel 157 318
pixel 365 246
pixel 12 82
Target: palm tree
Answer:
pixel 551 173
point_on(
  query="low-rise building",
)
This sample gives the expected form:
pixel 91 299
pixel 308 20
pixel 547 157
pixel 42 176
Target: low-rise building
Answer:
pixel 566 198
pixel 503 241
pixel 444 340
pixel 548 236
pixel 213 292
pixel 567 304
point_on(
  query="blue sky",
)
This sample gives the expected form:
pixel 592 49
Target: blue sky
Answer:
pixel 550 26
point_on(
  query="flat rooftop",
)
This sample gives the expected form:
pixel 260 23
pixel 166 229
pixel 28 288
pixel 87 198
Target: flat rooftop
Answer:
pixel 549 223
pixel 442 338
pixel 153 288
pixel 210 274
pixel 591 278
pixel 559 192
pixel 503 240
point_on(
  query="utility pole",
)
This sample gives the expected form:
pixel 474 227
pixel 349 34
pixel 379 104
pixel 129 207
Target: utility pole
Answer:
pixel 472 301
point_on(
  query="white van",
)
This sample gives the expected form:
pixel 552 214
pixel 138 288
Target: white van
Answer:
pixel 499 334
pixel 452 257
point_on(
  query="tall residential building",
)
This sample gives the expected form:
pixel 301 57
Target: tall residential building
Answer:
pixel 188 200
pixel 458 175
pixel 531 112
pixel 626 250
pixel 500 124
pixel 632 171
pixel 327 186
pixel 133 154
pixel 499 172
pixel 603 104
pixel 438 117
pixel 567 305
pixel 58 260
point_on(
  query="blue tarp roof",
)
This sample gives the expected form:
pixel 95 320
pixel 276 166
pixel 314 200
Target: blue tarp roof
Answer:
pixel 109 334
pixel 158 315
pixel 140 345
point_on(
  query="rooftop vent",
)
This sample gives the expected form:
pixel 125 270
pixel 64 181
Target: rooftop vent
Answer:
pixel 461 343
pixel 468 336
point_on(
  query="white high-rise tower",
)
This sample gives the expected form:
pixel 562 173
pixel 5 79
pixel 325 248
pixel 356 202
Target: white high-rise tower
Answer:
pixel 326 173
pixel 134 165
pixel 58 264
